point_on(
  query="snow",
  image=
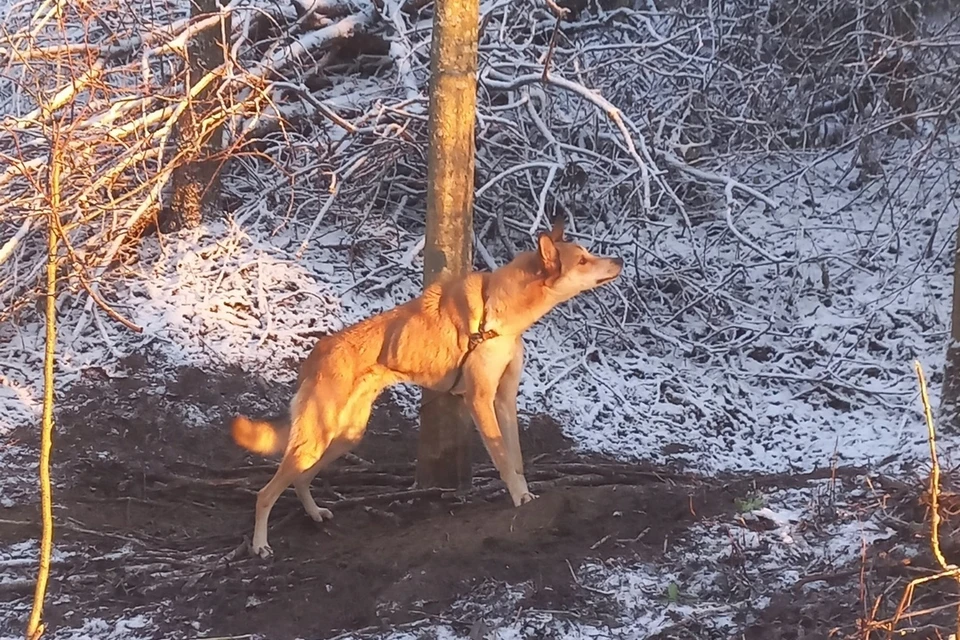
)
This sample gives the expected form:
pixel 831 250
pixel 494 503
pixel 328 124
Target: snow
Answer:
pixel 21 555
pixel 221 293
pixel 756 411
pixel 137 627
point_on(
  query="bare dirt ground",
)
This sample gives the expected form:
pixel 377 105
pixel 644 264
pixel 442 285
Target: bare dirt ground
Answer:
pixel 154 504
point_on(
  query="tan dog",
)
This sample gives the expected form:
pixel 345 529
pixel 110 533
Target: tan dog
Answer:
pixel 463 335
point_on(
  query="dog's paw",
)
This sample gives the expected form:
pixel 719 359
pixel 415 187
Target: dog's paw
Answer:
pixel 263 551
pixel 321 514
pixel 527 497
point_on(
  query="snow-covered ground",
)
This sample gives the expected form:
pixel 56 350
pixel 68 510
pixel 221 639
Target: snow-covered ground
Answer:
pixel 811 361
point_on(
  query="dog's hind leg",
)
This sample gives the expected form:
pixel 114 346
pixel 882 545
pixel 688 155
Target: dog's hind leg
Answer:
pixel 286 473
pixel 322 430
pixel 305 450
pixel 351 420
pixel 301 484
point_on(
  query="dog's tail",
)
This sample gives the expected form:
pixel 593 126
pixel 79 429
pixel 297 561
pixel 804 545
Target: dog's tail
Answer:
pixel 264 437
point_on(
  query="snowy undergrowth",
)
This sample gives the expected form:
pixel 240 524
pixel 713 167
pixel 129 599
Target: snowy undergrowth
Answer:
pixel 803 360
pixel 798 358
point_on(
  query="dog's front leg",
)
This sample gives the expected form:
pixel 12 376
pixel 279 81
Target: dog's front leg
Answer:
pixel 505 405
pixel 481 402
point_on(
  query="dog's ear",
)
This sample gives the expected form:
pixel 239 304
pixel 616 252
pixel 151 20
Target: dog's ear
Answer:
pixel 549 256
pixel 556 232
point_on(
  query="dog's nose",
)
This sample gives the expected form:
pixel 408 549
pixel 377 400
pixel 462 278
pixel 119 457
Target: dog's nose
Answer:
pixel 618 262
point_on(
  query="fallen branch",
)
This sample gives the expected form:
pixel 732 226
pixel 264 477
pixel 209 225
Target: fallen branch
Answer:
pixel 20 587
pixel 10 245
pixel 313 40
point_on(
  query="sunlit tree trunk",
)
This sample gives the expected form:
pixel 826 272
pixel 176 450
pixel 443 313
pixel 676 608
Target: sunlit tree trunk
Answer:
pixel 443 458
pixel 196 182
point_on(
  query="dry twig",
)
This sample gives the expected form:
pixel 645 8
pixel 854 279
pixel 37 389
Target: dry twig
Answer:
pixel 947 571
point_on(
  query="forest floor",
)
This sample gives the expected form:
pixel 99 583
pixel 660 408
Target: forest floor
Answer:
pixel 153 517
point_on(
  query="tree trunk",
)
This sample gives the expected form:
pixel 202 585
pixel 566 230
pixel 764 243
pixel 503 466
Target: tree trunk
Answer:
pixel 443 457
pixel 950 396
pixel 196 181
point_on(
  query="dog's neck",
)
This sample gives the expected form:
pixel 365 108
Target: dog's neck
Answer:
pixel 517 296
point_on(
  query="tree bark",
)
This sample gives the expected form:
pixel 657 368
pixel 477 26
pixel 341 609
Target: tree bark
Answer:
pixel 196 182
pixel 443 457
pixel 950 396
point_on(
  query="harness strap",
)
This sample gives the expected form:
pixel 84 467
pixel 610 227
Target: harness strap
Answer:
pixel 476 338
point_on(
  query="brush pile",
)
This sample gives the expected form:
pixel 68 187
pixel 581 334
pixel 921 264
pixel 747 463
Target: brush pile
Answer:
pixel 683 135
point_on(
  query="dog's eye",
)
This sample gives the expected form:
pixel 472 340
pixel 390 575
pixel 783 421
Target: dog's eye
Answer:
pixel 583 260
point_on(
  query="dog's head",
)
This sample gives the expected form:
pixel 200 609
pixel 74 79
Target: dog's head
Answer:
pixel 569 268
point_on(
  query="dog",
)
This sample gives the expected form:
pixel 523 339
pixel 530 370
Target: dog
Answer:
pixel 462 336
